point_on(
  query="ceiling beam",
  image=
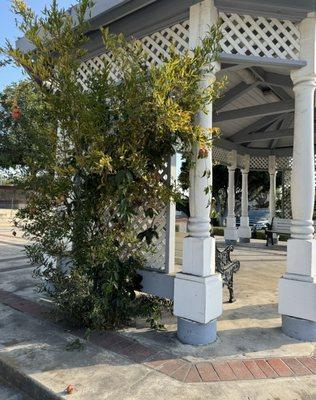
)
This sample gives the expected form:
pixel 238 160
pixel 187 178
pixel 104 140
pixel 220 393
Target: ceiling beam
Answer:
pixel 255 126
pixel 227 68
pixel 274 79
pixel 228 145
pixel 281 93
pixel 264 135
pixel 232 94
pixel 255 111
pixel 261 74
pixel 271 78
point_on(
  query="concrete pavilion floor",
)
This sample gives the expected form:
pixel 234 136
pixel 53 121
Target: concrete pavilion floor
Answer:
pixel 248 329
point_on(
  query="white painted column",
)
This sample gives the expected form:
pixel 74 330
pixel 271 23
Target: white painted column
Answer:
pixel 230 232
pixel 297 288
pixel 272 192
pixel 198 289
pixel 244 231
pixel 171 220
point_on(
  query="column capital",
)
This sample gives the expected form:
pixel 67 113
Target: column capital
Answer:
pixel 307 51
pixel 232 160
pixel 202 16
pixel 272 165
pixel 245 164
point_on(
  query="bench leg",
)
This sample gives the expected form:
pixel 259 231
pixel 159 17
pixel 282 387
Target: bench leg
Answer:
pixel 230 287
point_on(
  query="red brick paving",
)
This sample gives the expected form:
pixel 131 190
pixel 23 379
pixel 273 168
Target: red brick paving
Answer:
pixel 297 367
pixel 254 369
pixel 309 363
pixel 169 367
pixel 240 369
pixel 280 367
pixel 193 375
pixel 181 373
pixel 267 369
pixel 207 372
pixel 178 368
pixel 224 371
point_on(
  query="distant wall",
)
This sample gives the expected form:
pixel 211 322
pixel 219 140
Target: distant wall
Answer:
pixel 11 197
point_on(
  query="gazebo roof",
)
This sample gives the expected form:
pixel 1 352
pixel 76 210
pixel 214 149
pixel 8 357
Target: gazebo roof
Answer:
pixel 255 114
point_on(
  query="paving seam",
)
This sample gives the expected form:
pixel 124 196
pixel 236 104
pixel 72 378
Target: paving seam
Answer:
pixel 13 244
pixel 13 258
pixel 16 268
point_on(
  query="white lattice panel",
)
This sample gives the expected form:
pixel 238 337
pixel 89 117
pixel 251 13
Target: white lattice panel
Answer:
pixel 284 163
pixel 156 48
pixel 242 34
pixel 157 259
pixel 286 194
pixel 157 45
pixel 220 156
pixel 259 163
pixel 259 36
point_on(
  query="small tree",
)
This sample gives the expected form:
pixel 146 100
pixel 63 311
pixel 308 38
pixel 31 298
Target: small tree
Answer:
pixel 22 120
pixel 107 141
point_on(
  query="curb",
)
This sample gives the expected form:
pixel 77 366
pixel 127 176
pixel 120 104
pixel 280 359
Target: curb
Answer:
pixel 12 375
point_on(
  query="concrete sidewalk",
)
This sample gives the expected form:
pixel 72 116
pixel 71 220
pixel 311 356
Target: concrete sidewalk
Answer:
pixel 138 363
pixel 8 393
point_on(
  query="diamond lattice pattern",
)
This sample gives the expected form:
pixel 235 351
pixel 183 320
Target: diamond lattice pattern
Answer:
pixel 259 36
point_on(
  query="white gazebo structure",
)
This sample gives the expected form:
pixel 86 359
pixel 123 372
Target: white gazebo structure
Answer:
pixel 266 117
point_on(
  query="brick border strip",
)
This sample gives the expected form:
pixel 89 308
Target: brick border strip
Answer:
pixel 179 368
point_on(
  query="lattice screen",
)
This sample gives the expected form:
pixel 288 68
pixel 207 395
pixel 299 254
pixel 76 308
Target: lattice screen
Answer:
pixel 284 163
pixel 259 36
pixel 158 259
pixel 155 46
pixel 259 163
pixel 242 34
pixel 219 156
pixel 286 194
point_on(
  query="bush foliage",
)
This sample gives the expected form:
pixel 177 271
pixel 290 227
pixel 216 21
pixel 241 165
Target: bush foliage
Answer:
pixel 97 174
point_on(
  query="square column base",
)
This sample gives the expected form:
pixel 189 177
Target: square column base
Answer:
pixel 197 298
pixel 231 232
pixel 231 235
pixel 297 287
pixel 301 259
pixel 198 256
pixel 244 234
pixel 297 299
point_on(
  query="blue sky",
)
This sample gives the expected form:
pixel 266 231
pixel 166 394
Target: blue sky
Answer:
pixel 8 31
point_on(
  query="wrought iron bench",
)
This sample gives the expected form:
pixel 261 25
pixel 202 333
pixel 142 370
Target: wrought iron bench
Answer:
pixel 277 226
pixel 227 268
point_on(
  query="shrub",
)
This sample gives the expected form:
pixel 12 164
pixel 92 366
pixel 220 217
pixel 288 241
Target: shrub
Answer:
pixel 107 139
